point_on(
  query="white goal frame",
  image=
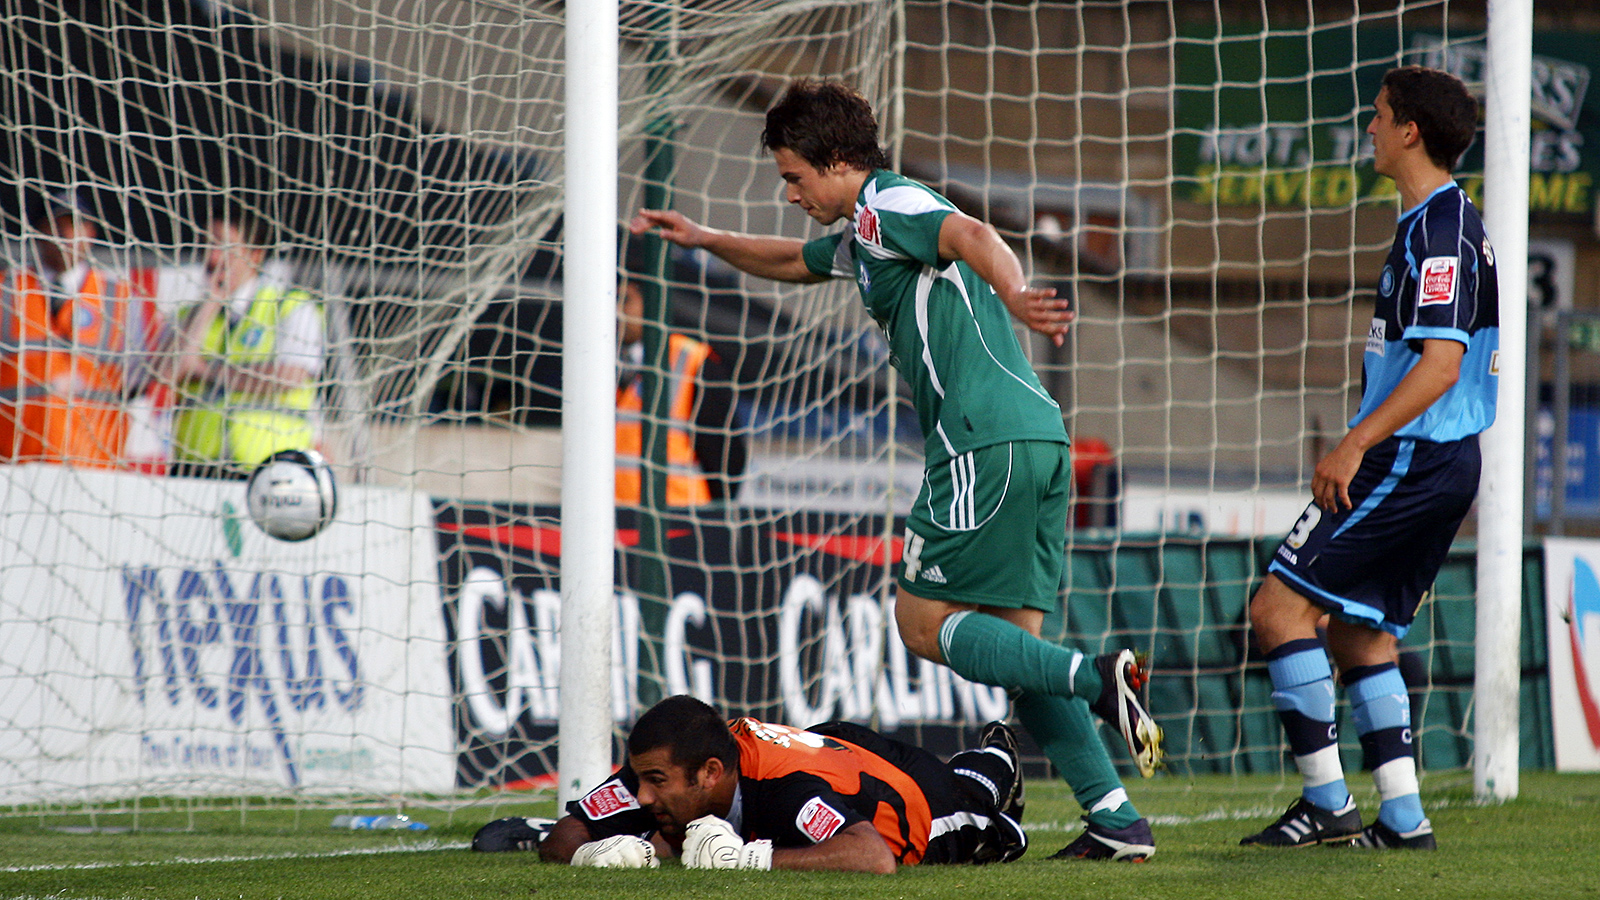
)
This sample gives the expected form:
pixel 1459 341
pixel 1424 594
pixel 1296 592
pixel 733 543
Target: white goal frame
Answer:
pixel 1498 673
pixel 592 37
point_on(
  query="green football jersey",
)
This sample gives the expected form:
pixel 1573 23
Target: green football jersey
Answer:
pixel 950 336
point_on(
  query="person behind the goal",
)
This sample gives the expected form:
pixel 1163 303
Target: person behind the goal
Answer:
pixel 985 541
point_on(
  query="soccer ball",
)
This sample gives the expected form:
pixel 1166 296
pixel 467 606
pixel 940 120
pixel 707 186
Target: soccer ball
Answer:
pixel 291 495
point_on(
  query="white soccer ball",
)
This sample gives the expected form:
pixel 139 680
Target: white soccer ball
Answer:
pixel 291 495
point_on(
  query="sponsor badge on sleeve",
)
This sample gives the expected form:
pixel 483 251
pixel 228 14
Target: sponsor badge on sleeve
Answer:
pixel 607 800
pixel 1438 280
pixel 867 227
pixel 818 820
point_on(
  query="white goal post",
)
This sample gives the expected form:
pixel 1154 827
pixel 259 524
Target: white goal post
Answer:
pixel 589 369
pixel 1500 508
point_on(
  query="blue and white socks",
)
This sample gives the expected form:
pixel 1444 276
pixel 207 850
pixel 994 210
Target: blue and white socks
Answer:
pixel 1302 692
pixel 1382 713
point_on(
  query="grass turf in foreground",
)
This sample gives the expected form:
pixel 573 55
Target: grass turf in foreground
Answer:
pixel 1540 845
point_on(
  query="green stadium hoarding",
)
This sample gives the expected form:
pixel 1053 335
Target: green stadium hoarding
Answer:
pixel 784 616
pixel 1254 129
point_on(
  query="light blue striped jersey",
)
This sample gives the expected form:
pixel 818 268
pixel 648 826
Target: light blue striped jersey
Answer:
pixel 1438 282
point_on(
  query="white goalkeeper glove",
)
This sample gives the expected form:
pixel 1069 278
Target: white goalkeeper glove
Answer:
pixel 623 851
pixel 711 843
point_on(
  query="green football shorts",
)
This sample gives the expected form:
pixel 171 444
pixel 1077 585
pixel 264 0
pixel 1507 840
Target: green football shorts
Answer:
pixel 990 527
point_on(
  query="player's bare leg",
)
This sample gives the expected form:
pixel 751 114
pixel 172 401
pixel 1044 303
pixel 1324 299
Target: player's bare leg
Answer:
pixel 920 618
pixel 1278 615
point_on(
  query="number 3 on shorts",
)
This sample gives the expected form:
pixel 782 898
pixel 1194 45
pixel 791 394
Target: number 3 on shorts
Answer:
pixel 1302 528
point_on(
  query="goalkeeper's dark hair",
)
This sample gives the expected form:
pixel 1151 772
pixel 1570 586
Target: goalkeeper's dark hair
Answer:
pixel 824 122
pixel 690 728
pixel 1445 112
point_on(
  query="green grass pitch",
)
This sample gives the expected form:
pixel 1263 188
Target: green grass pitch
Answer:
pixel 1543 844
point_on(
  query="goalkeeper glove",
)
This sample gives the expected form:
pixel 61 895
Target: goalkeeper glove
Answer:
pixel 621 852
pixel 711 843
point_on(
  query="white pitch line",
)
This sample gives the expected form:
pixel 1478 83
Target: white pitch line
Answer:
pixel 1213 816
pixel 186 861
pixel 1222 815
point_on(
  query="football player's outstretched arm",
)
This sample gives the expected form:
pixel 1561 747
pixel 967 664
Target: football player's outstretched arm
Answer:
pixel 565 837
pixel 776 258
pixel 978 245
pixel 859 848
pixel 569 833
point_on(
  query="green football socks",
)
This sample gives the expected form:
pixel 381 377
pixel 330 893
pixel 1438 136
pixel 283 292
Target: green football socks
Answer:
pixel 1066 732
pixel 989 650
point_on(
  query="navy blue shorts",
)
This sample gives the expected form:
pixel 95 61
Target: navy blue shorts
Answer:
pixel 1371 565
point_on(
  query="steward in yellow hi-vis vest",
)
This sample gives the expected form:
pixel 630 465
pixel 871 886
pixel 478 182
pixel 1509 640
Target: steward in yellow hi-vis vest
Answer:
pixel 238 428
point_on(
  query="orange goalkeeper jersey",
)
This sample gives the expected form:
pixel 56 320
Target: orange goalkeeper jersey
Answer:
pixel 799 787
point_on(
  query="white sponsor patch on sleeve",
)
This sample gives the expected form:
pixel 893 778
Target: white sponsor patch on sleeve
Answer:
pixel 817 820
pixel 607 800
pixel 868 229
pixel 1437 282
pixel 1376 337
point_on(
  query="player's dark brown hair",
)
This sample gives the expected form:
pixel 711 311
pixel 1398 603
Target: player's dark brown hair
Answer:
pixel 824 122
pixel 1444 111
pixel 693 730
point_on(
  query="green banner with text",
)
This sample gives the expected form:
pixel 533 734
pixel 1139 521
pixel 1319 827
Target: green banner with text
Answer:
pixel 1278 119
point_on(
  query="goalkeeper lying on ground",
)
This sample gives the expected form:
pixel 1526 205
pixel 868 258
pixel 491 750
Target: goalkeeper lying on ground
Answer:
pixel 746 794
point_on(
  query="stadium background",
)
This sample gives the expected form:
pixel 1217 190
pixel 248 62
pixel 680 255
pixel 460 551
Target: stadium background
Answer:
pixel 1215 357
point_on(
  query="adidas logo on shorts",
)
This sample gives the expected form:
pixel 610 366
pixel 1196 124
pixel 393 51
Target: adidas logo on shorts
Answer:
pixel 933 574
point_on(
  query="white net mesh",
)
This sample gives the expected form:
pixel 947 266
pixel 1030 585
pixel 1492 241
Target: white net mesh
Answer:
pixel 1190 173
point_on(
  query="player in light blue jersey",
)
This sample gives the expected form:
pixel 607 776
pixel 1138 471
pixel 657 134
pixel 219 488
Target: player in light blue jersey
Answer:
pixel 985 541
pixel 1387 501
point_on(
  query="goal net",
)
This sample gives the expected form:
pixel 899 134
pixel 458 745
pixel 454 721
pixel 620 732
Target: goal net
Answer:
pixel 1192 174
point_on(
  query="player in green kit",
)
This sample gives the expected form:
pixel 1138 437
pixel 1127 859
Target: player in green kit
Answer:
pixel 985 541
